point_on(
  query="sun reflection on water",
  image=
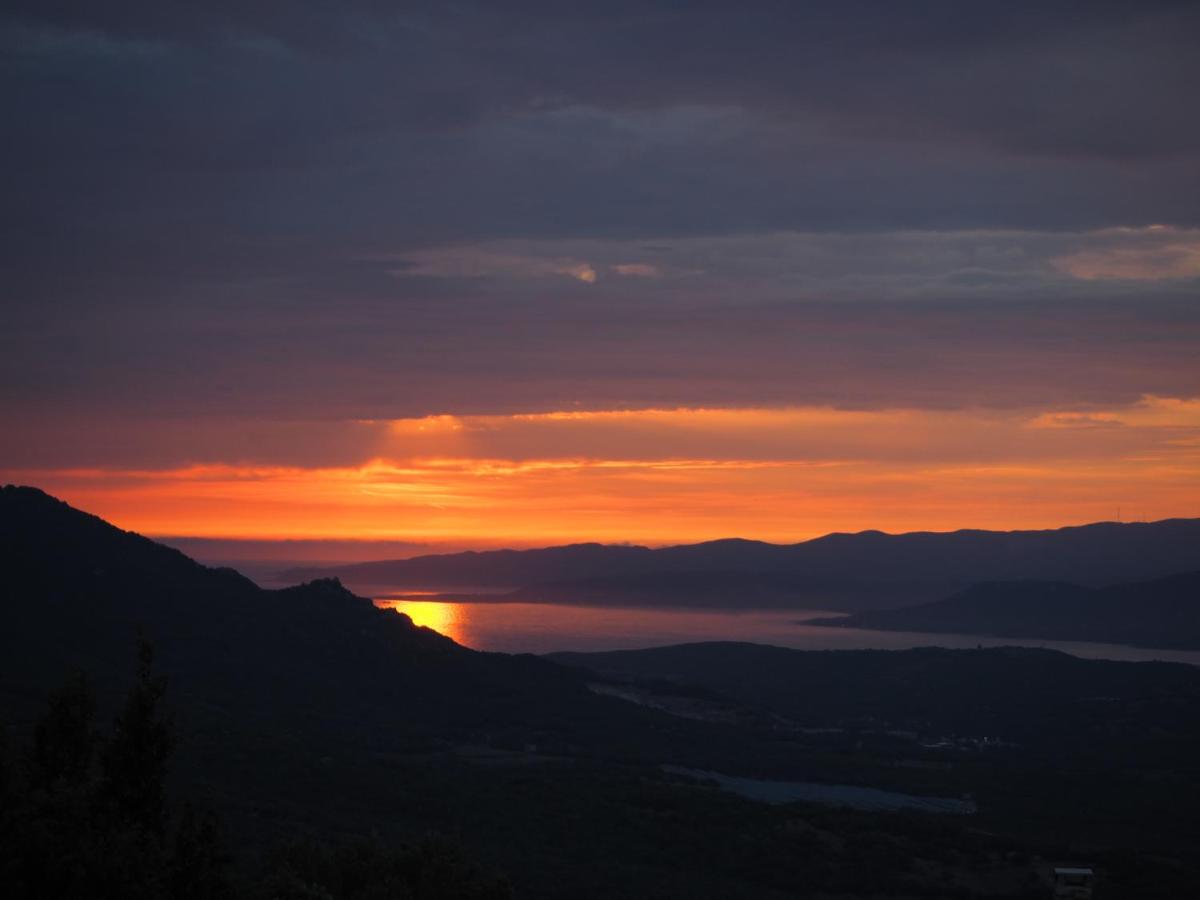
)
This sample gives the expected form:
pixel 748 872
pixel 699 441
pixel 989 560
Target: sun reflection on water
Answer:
pixel 444 618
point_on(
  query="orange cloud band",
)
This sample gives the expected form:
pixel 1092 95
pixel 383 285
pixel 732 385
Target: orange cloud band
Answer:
pixel 662 476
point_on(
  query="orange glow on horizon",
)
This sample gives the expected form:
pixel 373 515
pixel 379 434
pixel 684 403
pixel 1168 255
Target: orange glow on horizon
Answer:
pixel 675 476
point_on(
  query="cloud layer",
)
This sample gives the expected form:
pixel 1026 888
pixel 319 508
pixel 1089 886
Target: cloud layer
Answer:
pixel 674 475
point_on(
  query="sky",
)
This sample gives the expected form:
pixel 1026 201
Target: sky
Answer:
pixel 414 276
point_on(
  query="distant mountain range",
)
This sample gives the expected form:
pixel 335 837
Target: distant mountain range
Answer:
pixel 1164 612
pixel 868 570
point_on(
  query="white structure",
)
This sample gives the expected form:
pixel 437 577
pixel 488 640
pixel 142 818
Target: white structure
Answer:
pixel 1073 882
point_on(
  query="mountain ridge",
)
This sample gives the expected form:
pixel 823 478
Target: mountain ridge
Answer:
pixel 1162 613
pixel 842 571
pixel 77 590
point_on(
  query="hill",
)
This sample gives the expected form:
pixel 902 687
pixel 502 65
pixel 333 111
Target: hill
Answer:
pixel 868 570
pixel 1162 613
pixel 314 659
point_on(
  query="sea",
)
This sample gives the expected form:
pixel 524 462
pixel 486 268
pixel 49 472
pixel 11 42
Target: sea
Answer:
pixel 549 627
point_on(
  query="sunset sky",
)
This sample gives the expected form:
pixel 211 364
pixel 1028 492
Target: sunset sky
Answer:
pixel 436 276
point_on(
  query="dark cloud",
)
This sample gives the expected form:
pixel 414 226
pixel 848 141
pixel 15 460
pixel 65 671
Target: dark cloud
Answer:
pixel 474 121
pixel 211 206
pixel 365 358
pixel 1079 78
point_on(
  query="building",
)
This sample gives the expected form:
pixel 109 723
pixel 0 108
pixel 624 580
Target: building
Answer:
pixel 1073 882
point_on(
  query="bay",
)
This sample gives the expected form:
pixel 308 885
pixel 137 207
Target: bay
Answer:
pixel 550 627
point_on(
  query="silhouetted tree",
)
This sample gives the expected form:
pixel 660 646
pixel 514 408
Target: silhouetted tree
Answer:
pixel 432 869
pixel 198 860
pixel 5 776
pixel 64 739
pixel 88 817
pixel 134 762
pixel 70 828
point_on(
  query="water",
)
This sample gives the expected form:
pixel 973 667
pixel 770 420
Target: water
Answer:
pixel 548 627
pixel 853 796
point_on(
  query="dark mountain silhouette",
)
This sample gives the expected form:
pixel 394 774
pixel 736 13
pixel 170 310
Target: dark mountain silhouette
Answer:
pixel 869 570
pixel 491 568
pixel 314 659
pixel 1164 612
pixel 753 590
pixel 314 663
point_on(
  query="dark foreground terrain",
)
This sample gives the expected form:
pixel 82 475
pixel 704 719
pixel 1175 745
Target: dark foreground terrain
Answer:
pixel 308 722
